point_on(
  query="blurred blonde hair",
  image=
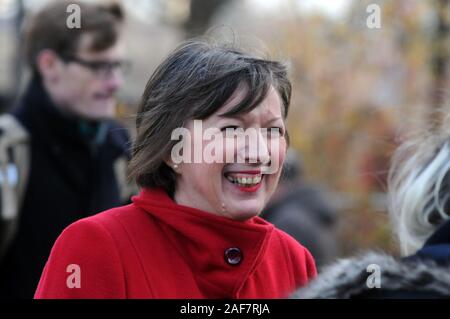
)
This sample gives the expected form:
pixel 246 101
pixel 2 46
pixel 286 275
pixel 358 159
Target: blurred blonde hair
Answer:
pixel 418 188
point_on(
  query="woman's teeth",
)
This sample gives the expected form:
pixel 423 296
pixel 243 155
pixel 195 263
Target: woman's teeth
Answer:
pixel 244 181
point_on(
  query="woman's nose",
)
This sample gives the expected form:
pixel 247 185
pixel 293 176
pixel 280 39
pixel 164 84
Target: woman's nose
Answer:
pixel 256 149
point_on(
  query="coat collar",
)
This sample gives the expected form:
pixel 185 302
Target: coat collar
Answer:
pixel 203 238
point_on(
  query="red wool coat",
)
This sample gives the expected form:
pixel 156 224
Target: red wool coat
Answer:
pixel 154 248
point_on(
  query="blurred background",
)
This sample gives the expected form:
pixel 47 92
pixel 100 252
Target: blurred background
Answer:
pixel 358 87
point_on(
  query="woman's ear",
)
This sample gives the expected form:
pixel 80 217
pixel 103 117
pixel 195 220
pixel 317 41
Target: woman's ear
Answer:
pixel 174 166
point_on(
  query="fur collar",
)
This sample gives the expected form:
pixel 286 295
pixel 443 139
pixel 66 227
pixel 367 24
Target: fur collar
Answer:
pixel 347 278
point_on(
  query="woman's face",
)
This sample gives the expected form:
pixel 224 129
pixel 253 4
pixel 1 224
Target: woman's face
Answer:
pixel 246 167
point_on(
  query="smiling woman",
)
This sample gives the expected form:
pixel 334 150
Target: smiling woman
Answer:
pixel 241 188
pixel 194 231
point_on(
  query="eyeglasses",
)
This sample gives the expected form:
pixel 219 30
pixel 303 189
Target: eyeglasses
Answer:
pixel 100 68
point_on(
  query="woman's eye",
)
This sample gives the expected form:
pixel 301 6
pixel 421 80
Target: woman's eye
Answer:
pixel 276 130
pixel 230 127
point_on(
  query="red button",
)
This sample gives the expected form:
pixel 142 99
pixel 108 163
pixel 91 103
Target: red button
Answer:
pixel 233 256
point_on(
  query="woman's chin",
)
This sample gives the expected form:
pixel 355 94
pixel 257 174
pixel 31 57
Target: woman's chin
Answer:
pixel 243 209
pixel 242 204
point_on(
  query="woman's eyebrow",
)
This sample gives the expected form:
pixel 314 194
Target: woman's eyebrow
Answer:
pixel 231 116
pixel 239 117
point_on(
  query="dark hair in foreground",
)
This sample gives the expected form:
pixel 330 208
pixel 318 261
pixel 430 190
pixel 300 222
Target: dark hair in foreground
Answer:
pixel 193 82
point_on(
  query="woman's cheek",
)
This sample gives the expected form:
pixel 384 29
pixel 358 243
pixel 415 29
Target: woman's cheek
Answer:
pixel 229 151
pixel 277 154
pixel 282 154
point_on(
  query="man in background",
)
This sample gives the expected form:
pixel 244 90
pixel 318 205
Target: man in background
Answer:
pixel 77 152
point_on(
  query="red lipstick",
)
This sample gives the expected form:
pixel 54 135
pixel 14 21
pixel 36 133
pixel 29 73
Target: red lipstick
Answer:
pixel 249 189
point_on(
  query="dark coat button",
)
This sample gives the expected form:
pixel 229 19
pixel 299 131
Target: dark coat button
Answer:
pixel 233 256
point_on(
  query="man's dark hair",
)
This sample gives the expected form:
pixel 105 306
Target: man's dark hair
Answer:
pixel 48 29
pixel 194 82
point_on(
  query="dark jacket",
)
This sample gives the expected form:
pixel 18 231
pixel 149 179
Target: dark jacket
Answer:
pixel 437 247
pixel 72 175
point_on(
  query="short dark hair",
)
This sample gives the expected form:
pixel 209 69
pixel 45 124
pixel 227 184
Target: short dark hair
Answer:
pixel 48 29
pixel 193 82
